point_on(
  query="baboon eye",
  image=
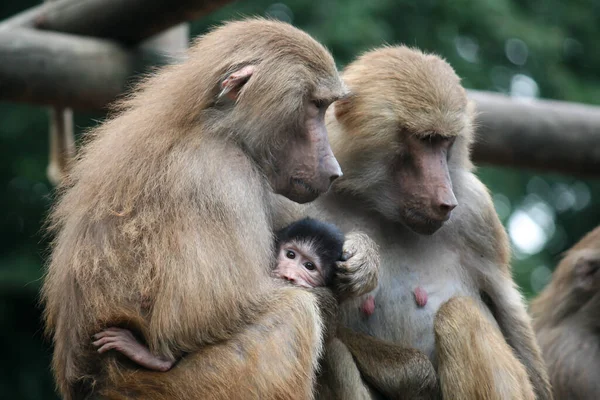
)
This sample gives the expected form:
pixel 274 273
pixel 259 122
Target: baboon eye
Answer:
pixel 309 266
pixel 290 254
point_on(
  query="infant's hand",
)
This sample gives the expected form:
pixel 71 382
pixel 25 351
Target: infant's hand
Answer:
pixel 358 271
pixel 123 341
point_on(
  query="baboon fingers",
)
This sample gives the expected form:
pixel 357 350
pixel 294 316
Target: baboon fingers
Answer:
pixel 109 346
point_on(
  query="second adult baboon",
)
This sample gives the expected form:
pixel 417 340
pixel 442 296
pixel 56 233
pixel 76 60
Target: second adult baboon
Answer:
pixel 164 225
pixel 403 140
pixel 566 320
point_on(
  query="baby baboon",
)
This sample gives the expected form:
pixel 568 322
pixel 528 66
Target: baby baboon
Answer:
pixel 566 320
pixel 307 253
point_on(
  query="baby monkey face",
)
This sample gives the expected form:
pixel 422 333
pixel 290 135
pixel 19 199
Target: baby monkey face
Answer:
pixel 299 264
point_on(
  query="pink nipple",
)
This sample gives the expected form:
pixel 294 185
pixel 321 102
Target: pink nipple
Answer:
pixel 420 296
pixel 368 306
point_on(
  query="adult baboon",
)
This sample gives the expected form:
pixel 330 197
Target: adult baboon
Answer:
pixel 566 320
pixel 164 225
pixel 402 138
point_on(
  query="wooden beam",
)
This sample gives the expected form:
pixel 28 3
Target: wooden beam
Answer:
pixel 126 21
pixel 67 71
pixel 60 70
pixel 538 134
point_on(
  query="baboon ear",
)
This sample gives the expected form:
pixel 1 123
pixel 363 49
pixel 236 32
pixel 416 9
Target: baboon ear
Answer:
pixel 234 82
pixel 586 272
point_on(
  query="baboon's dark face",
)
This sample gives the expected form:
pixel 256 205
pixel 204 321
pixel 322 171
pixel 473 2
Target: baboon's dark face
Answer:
pixel 415 187
pixel 424 192
pixel 306 164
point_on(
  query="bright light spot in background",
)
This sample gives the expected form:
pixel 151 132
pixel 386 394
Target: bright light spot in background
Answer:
pixel 526 234
pixel 516 51
pixel 563 196
pixel 558 241
pixel 502 205
pixel 539 186
pixel 582 195
pixel 523 87
pixel 540 276
pixel 467 48
pixel 541 212
pixel 281 12
pixel 501 77
pixel 531 226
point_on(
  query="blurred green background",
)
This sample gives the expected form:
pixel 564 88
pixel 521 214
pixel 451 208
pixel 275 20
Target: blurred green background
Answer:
pixel 525 48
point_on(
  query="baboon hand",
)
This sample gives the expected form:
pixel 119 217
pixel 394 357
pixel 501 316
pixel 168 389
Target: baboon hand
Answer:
pixel 358 271
pixel 123 341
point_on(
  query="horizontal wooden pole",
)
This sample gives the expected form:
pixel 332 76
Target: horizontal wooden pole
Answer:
pixel 538 134
pixel 56 69
pixel 126 21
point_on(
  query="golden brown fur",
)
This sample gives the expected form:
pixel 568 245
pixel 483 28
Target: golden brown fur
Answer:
pixel 164 224
pixel 567 324
pixel 489 369
pixel 402 139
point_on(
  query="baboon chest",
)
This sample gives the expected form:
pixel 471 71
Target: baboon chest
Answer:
pixel 417 275
pixel 416 278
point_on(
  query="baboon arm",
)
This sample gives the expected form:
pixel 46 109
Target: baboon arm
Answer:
pixel 395 371
pixel 340 378
pixel 359 273
pixel 509 310
pixel 273 358
pixel 475 362
pixel 489 242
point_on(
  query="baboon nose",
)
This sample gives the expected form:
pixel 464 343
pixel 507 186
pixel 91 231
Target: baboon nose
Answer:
pixel 335 176
pixel 445 202
pixel 330 173
pixel 445 208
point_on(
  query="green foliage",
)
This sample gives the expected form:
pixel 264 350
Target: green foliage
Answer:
pixel 489 43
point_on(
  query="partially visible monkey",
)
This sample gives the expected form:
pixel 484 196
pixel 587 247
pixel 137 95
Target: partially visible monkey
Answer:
pixel 402 138
pixel 307 255
pixel 567 322
pixel 170 202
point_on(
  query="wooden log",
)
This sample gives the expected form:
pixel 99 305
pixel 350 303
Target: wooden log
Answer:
pixel 538 134
pixel 126 21
pixel 67 71
pixel 62 70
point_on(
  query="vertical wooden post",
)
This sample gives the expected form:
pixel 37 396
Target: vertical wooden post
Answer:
pixel 62 142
